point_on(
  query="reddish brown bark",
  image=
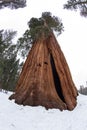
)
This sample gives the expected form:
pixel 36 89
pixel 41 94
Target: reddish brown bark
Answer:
pixel 45 78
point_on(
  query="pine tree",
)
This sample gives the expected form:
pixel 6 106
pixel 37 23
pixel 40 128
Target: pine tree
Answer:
pixel 77 4
pixel 13 4
pixel 8 60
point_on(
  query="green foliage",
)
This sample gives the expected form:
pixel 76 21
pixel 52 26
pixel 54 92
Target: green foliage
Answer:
pixel 38 28
pixel 77 4
pixel 13 4
pixel 45 24
pixel 8 63
pixel 54 23
pixel 9 73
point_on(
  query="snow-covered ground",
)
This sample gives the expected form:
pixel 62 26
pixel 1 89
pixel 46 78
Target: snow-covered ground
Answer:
pixel 18 117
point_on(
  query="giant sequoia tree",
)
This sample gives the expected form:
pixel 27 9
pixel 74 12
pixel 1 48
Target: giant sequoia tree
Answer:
pixel 45 78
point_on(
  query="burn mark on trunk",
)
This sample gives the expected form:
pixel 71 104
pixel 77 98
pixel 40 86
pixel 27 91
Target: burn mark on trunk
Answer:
pixel 45 63
pixel 39 65
pixel 56 79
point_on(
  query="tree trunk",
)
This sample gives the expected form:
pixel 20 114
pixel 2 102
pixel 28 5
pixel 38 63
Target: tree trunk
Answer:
pixel 45 78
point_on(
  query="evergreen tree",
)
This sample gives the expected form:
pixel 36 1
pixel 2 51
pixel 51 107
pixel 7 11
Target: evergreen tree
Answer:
pixel 13 4
pixel 8 60
pixel 77 4
pixel 37 26
pixel 45 78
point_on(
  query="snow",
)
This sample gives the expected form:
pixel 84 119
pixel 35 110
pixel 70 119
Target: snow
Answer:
pixel 18 117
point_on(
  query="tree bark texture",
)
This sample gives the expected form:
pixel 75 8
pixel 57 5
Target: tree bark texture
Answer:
pixel 45 78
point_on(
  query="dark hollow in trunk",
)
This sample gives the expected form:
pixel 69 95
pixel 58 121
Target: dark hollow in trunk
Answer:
pixel 56 79
pixel 45 78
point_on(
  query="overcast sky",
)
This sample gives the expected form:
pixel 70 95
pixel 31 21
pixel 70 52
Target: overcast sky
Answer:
pixel 73 40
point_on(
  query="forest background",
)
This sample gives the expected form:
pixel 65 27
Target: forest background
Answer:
pixel 72 40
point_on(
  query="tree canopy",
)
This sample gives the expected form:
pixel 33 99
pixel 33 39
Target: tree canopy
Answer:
pixel 13 4
pixel 39 27
pixel 77 4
